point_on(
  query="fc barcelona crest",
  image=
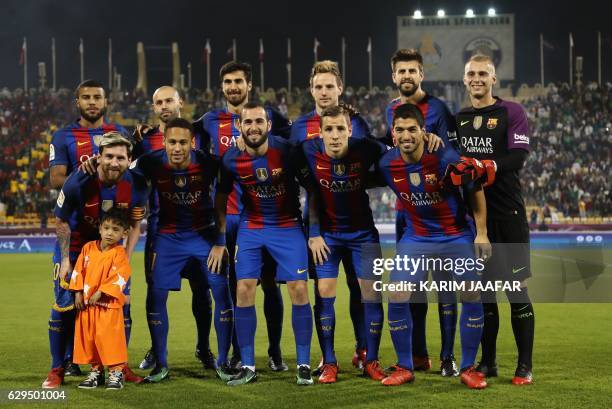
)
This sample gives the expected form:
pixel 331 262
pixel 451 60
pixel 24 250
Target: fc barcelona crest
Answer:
pixel 107 205
pixel 262 174
pixel 339 169
pixel 477 122
pixel 415 179
pixel 491 123
pixel 98 139
pixel 180 181
pixel 431 179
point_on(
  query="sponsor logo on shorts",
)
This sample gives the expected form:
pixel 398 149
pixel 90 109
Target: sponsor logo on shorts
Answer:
pixel 301 270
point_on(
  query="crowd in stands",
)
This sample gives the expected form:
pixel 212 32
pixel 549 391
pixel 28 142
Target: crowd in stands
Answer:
pixel 567 173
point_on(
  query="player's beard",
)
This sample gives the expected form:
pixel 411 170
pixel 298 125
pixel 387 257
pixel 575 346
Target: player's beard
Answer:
pixel 408 92
pixel 235 99
pixel 111 175
pixel 171 115
pixel 92 118
pixel 257 143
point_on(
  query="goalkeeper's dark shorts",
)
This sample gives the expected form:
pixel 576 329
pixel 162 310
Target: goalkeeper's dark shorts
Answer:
pixel 511 256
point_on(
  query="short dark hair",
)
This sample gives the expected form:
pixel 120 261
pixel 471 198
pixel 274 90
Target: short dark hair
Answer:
pixel 88 84
pixel 180 123
pixel 255 104
pixel 337 110
pixel 118 216
pixel 234 66
pixel 409 111
pixel 407 54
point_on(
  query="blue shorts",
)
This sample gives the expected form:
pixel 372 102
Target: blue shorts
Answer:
pixel 363 246
pixel 232 221
pixel 453 255
pixel 192 269
pixel 64 298
pixel 286 245
pixel 183 255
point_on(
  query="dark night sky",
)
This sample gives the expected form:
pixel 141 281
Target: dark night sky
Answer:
pixel 191 22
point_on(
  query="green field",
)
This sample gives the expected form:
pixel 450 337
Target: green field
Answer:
pixel 571 358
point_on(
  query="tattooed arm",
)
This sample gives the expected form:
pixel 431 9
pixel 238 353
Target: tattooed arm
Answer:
pixel 62 232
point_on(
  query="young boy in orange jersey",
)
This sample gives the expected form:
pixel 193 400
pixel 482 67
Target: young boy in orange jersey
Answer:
pixel 98 280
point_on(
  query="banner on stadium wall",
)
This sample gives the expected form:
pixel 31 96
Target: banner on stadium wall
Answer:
pixel 46 244
pixel 447 42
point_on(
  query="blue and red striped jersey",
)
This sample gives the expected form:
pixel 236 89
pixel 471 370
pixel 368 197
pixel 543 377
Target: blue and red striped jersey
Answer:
pixel 344 205
pixel 430 209
pixel 152 140
pixel 270 192
pixel 218 132
pixel 438 119
pixel 185 200
pixel 74 144
pixel 84 199
pixel 308 127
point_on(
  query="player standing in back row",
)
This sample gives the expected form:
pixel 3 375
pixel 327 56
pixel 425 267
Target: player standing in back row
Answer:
pixel 496 133
pixel 218 131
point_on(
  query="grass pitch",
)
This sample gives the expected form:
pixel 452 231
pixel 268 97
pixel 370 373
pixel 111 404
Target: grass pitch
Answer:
pixel 571 357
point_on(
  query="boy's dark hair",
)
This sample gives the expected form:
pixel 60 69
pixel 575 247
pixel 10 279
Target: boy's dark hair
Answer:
pixel 234 66
pixel 407 111
pixel 117 216
pixel 88 84
pixel 407 54
pixel 180 123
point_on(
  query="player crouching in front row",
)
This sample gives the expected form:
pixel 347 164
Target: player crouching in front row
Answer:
pixel 99 277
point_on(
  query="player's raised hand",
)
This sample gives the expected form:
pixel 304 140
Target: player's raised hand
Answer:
pixel 90 165
pixel 320 251
pixel 434 142
pixel 140 131
pixel 78 301
pixel 217 258
pixel 483 247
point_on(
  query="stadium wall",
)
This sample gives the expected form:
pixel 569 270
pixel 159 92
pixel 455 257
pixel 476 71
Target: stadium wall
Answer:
pixel 544 240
